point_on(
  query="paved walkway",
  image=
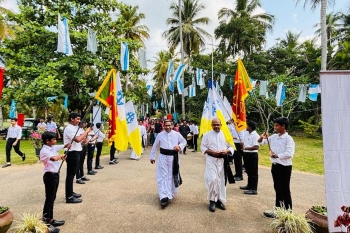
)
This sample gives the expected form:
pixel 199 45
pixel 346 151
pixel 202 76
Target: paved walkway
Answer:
pixel 123 198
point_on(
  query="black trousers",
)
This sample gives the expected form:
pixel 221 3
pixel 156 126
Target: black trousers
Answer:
pixel 237 158
pixel 281 182
pixel 111 152
pixel 9 146
pixel 195 141
pixel 90 156
pixel 80 170
pixel 251 160
pixel 51 181
pixel 72 160
pixel 190 142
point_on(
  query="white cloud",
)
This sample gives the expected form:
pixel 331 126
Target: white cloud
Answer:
pixel 295 17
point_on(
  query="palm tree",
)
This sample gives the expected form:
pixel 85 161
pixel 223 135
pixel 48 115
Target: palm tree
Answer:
pixel 291 41
pixel 5 28
pixel 193 36
pixel 160 69
pixel 314 4
pixel 246 8
pixel 333 27
pixel 131 21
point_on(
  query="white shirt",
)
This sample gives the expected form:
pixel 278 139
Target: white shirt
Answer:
pixel 41 126
pixel 283 146
pixel 51 126
pixel 46 153
pixel 91 137
pixel 238 137
pixel 215 141
pixel 195 130
pixel 191 127
pixel 100 135
pixel 143 131
pixel 68 135
pixel 250 140
pixel 14 132
pixel 167 141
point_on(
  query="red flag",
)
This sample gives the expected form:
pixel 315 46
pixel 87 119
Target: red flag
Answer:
pixel 2 71
pixel 106 94
pixel 240 93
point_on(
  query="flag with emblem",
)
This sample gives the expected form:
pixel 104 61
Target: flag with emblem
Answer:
pixel 134 133
pixel 122 126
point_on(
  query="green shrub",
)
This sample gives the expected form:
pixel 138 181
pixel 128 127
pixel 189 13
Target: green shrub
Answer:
pixel 311 130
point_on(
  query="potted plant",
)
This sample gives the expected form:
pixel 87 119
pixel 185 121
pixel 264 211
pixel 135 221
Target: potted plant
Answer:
pixel 288 222
pixel 31 223
pixel 6 219
pixel 35 136
pixel 318 215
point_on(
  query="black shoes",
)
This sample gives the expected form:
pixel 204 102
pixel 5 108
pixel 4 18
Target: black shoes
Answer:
pixel 270 214
pixel 220 205
pixel 245 188
pixel 237 178
pixel 23 157
pixel 99 167
pixel 164 202
pixel 212 206
pixel 91 172
pixel 85 178
pixel 74 200
pixel 113 162
pixel 194 151
pixel 6 165
pixel 53 229
pixel 77 195
pixel 251 192
pixel 80 181
pixel 57 223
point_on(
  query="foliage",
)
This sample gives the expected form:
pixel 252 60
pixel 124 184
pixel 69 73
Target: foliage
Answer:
pixel 320 209
pixel 311 130
pixel 35 137
pixel 3 209
pixel 36 71
pixel 288 222
pixel 31 223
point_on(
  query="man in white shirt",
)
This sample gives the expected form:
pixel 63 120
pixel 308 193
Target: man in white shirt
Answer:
pixel 170 143
pixel 41 125
pixel 52 127
pixel 71 136
pixel 238 154
pixel 250 147
pixel 195 132
pixel 282 149
pixel 215 147
pixel 13 139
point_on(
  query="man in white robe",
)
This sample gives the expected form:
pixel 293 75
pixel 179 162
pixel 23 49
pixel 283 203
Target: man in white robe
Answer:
pixel 215 147
pixel 170 143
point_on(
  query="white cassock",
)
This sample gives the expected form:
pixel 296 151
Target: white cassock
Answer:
pixel 214 176
pixel 143 135
pixel 165 179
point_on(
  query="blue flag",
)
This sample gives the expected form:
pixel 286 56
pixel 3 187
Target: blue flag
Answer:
pixel 12 109
pixel 171 86
pixel 65 103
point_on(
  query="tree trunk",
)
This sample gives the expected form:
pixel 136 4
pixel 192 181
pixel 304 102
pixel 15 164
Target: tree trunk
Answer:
pixel 323 35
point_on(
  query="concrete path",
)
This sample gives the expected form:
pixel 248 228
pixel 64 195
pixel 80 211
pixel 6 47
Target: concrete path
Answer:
pixel 123 198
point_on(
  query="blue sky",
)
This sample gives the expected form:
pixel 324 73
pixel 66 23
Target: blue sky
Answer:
pixel 288 17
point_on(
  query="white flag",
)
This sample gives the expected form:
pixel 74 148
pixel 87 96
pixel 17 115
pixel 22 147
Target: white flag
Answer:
pixel 124 56
pixel 179 71
pixel 63 43
pixel 142 58
pixel 199 77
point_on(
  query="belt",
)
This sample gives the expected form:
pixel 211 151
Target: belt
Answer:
pixel 53 173
pixel 176 167
pixel 168 152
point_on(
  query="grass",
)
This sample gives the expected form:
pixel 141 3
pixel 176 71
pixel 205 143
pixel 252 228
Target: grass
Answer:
pixel 27 148
pixel 308 155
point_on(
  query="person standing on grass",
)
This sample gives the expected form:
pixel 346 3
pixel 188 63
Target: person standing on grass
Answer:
pixel 51 126
pixel 282 149
pixel 50 158
pixel 250 146
pixel 41 125
pixel 13 139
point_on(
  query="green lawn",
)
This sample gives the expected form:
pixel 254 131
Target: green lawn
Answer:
pixel 308 155
pixel 27 148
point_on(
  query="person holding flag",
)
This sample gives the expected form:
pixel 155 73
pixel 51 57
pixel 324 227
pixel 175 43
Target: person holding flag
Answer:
pixel 170 143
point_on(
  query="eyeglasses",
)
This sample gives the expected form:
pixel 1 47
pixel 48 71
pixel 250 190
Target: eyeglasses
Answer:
pixel 167 125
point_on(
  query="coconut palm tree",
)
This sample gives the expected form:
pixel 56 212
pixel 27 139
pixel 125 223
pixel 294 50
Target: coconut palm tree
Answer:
pixel 333 27
pixel 193 35
pixel 323 14
pixel 290 42
pixel 131 19
pixel 246 8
